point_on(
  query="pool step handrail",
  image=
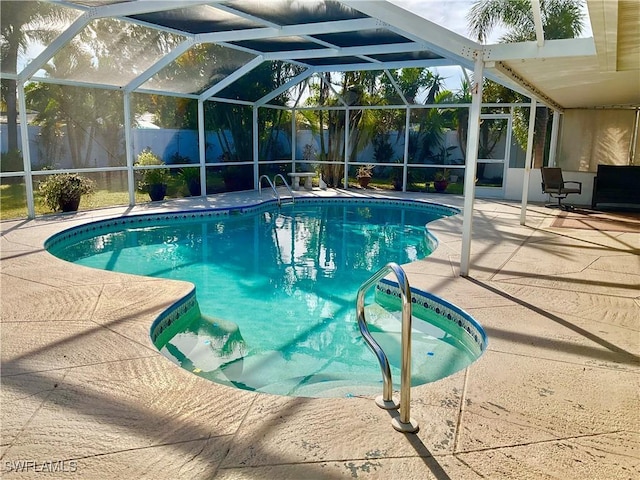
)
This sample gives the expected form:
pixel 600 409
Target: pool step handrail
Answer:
pixel 275 192
pixel 273 186
pixel 405 423
pixel 284 181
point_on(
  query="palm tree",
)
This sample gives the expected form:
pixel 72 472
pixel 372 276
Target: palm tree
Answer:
pixel 20 23
pixel 560 19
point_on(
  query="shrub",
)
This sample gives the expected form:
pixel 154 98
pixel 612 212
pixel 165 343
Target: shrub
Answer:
pixel 151 176
pixel 64 189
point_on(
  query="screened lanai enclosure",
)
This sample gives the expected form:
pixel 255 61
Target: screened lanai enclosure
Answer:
pixel 211 95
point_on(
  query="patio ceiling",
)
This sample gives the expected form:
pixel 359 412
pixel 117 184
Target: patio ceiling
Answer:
pixel 351 35
pixel 604 71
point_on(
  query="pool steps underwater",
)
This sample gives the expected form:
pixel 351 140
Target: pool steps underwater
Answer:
pixel 384 319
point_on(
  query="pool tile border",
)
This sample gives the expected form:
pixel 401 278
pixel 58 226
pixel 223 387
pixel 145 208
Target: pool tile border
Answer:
pixel 172 314
pixel 148 218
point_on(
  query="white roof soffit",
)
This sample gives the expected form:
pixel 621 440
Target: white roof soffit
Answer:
pixel 598 72
pixel 505 59
pixel 604 18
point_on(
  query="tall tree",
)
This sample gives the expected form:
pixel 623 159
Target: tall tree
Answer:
pixel 560 19
pixel 20 23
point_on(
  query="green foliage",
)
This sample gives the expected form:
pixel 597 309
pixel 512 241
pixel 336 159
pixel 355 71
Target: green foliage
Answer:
pixel 11 161
pixel 63 188
pixel 68 114
pixel 382 149
pixel 560 19
pixel 189 174
pixel 441 175
pixel 364 171
pixel 190 177
pixel 149 177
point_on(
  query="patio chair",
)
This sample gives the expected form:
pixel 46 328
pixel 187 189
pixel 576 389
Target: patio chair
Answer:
pixel 554 185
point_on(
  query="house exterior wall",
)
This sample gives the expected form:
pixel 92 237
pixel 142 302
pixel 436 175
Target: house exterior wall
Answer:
pixel 592 137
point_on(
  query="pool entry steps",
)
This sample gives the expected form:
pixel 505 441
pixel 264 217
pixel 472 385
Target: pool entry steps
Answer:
pixel 272 184
pixel 405 423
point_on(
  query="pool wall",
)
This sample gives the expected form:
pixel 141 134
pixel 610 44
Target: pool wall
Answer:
pixel 168 322
pixel 456 321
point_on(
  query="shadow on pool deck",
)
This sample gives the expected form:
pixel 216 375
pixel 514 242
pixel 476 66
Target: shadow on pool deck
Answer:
pixel 555 394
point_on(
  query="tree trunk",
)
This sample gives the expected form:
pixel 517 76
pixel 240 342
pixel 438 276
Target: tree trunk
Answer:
pixel 90 136
pixel 540 137
pixel 10 95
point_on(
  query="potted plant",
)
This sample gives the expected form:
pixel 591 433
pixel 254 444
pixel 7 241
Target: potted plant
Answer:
pixel 153 180
pixel 441 180
pixel 63 191
pixel 235 177
pixel 191 178
pixel 364 174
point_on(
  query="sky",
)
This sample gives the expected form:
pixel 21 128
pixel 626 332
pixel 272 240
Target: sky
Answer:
pixel 450 14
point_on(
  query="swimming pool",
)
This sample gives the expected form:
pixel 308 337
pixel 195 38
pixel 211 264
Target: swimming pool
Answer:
pixel 276 287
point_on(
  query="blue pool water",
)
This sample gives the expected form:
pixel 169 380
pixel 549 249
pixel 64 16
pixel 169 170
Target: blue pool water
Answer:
pixel 276 290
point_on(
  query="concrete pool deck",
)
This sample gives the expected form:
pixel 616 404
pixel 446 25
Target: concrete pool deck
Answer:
pixel 84 392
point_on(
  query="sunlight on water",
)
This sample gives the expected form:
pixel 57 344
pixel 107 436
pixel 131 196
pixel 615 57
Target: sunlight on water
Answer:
pixel 277 293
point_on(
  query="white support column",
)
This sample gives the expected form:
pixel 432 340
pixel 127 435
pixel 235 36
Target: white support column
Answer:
pixel 26 152
pixel 555 126
pixel 256 167
pixel 405 162
pixel 537 21
pixel 202 148
pixel 346 147
pixel 473 137
pixel 128 148
pixel 528 162
pixel 294 140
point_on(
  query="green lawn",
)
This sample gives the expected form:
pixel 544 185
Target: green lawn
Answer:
pixel 387 184
pixel 13 201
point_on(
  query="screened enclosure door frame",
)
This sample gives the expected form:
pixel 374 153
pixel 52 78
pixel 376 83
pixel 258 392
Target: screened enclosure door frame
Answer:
pixel 500 162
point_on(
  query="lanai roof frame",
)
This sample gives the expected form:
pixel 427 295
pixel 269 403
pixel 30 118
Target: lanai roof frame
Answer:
pixel 403 33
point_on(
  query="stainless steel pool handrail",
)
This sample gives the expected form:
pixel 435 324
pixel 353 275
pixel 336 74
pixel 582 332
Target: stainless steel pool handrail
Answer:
pixel 284 180
pixel 405 423
pixel 275 192
pixel 272 184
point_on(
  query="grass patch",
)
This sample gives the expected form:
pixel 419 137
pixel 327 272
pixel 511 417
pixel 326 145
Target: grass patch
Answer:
pixel 13 201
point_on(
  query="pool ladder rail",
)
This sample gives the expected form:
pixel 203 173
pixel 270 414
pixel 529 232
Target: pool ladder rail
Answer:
pixel 404 423
pixel 272 184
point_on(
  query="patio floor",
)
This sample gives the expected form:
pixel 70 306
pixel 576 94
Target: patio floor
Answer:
pixel 556 395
